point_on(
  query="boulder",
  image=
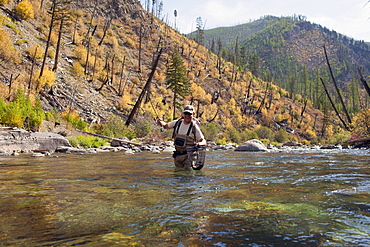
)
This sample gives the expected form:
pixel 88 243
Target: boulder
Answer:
pixel 19 140
pixel 117 143
pixel 292 144
pixel 252 145
pixel 168 150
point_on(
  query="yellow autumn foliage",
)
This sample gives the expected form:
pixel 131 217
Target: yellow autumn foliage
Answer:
pixel 35 50
pixel 361 123
pixel 125 102
pixel 7 49
pixel 81 53
pixel 47 79
pixel 24 10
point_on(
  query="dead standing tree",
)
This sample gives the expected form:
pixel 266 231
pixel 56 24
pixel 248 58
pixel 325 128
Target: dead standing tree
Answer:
pixel 108 72
pixel 32 68
pixel 145 89
pixel 363 81
pixel 121 77
pixel 59 11
pixel 53 14
pixel 64 19
pixel 10 81
pixel 105 29
pixel 336 87
pixel 333 105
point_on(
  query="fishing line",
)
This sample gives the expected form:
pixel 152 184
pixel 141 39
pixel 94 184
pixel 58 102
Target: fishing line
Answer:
pixel 156 113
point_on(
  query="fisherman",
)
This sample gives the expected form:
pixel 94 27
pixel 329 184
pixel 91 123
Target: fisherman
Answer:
pixel 186 134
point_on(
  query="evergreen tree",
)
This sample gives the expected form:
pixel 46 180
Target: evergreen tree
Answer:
pixel 254 63
pixel 200 31
pixel 177 80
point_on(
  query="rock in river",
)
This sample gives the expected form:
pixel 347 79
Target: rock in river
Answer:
pixel 252 145
pixel 16 140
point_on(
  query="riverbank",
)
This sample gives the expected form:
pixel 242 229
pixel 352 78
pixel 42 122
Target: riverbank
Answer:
pixel 14 141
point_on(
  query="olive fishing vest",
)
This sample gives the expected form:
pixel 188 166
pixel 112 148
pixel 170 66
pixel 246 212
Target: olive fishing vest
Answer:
pixel 184 141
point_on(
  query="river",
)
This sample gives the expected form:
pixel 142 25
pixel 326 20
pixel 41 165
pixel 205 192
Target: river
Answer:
pixel 301 198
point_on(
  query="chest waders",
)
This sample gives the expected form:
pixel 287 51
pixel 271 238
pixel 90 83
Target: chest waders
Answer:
pixel 185 144
pixel 183 141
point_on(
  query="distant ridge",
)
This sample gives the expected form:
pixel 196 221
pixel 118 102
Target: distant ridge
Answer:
pixel 288 47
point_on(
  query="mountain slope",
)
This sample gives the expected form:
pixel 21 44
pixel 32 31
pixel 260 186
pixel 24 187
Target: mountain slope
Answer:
pixel 287 46
pixel 106 57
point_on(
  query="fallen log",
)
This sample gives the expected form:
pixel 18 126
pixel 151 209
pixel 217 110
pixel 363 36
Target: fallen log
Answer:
pixel 109 138
pixel 359 140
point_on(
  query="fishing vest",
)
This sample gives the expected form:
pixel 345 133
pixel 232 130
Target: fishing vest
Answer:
pixel 184 141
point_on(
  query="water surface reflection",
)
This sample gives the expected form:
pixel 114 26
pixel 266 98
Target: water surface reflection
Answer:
pixel 246 199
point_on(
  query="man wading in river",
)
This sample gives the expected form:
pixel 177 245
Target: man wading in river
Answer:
pixel 186 134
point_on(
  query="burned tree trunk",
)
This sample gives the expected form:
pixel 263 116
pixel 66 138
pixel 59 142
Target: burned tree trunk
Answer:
pixel 58 44
pixel 121 77
pixel 336 87
pixel 87 57
pixel 32 68
pixel 145 89
pixel 303 110
pixel 333 105
pixel 362 79
pixel 54 6
pixel 106 27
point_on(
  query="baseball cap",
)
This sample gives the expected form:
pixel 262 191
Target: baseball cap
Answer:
pixel 189 109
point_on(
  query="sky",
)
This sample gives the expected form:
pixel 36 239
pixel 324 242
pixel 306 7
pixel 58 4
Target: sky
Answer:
pixel 348 17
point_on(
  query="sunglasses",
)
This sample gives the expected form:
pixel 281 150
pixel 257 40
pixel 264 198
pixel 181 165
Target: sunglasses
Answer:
pixel 187 113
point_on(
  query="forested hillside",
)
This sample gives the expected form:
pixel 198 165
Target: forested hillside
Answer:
pixel 106 67
pixel 290 52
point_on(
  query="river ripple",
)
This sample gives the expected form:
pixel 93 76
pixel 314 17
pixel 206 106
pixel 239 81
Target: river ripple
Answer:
pixel 310 198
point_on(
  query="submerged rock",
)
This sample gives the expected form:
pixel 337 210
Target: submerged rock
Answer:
pixel 252 145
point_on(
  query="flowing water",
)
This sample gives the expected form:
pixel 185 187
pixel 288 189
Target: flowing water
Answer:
pixel 306 198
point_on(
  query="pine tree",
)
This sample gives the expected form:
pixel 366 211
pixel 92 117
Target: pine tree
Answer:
pixel 200 31
pixel 177 80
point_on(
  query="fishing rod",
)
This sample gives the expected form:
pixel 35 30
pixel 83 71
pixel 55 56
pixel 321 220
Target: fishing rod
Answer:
pixel 156 113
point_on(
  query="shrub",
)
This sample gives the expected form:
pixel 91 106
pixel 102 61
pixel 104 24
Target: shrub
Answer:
pixel 72 117
pixel 78 69
pixel 80 53
pixel 222 141
pixel 25 10
pixel 210 131
pixel 234 135
pixel 21 41
pixel 22 113
pixel 281 136
pixel 73 141
pixel 265 141
pixel 248 135
pixel 114 127
pixel 361 123
pixel 130 43
pixel 142 128
pixel 264 133
pixel 7 49
pixel 86 142
pixel 46 80
pixel 340 137
pixel 35 116
pixel 52 115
